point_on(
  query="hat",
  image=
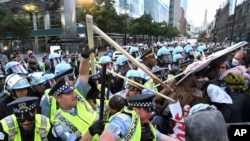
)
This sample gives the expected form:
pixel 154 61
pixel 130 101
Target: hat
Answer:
pixel 147 53
pixel 61 87
pixel 234 79
pixel 68 72
pixel 144 101
pixel 24 107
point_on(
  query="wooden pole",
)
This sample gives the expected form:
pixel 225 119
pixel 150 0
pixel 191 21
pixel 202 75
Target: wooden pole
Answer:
pixel 138 84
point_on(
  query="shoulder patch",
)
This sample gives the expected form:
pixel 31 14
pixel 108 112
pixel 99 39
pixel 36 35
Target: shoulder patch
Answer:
pixel 124 117
pixel 2 136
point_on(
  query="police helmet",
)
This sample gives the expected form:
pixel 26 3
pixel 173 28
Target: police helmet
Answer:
pixel 36 78
pixel 121 60
pixel 133 49
pixel 54 55
pixel 61 67
pixel 15 67
pixel 163 51
pixel 54 58
pixel 16 81
pixel 48 76
pixel 105 59
pixel 132 73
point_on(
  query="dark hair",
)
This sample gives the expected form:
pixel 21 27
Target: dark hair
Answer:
pixel 117 102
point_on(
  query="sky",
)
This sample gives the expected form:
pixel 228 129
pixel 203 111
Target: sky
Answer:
pixel 196 10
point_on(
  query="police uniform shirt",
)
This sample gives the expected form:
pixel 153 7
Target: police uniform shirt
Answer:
pixel 119 126
pixel 121 93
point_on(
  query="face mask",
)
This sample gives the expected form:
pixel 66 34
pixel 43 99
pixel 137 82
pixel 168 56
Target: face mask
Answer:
pixel 220 72
pixel 235 62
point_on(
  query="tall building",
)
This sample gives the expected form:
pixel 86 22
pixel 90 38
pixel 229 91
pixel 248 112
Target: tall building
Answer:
pixel 175 13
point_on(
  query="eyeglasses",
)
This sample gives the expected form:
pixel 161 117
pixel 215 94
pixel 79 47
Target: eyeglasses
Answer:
pixel 27 119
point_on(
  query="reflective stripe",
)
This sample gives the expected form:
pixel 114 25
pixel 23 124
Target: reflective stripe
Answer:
pixel 11 127
pixel 42 131
pixel 132 129
pixel 68 124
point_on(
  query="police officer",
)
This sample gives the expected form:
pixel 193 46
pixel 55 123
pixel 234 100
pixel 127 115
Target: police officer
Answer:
pixel 14 67
pixel 74 114
pixel 134 124
pixel 17 86
pixel 131 88
pixel 72 119
pixel 25 124
pixel 48 103
pixel 37 84
pixel 54 59
pixel 163 57
pixel 123 66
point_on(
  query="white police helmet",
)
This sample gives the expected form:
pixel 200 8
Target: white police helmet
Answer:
pixel 15 67
pixel 105 59
pixel 121 60
pixel 61 67
pixel 16 81
pixel 163 51
pixel 36 78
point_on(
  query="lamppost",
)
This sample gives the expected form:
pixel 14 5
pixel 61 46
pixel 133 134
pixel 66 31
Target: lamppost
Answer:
pixel 125 34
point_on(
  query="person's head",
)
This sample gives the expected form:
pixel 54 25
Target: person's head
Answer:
pixel 143 104
pixel 235 83
pixel 132 88
pixel 17 85
pixel 63 93
pixel 67 71
pixel 162 55
pixel 18 57
pixel 161 73
pixel 239 58
pixel 106 60
pixel 65 58
pixel 24 109
pixel 61 67
pixel 49 80
pixel 32 63
pixel 54 59
pixel 122 61
pixel 30 53
pixel 205 123
pixel 134 51
pixel 37 82
pixel 116 104
pixel 14 67
pixel 149 58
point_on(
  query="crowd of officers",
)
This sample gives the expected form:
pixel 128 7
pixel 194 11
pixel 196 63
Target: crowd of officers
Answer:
pixel 59 98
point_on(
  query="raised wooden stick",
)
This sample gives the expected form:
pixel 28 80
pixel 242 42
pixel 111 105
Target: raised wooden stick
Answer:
pixel 114 44
pixel 138 84
pixel 89 23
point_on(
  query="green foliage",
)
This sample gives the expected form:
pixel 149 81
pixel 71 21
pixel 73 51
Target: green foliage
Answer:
pixel 13 28
pixel 106 18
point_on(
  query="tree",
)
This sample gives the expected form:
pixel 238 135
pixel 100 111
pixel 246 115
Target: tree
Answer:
pixel 12 28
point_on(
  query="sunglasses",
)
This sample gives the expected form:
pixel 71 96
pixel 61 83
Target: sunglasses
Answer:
pixel 27 119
